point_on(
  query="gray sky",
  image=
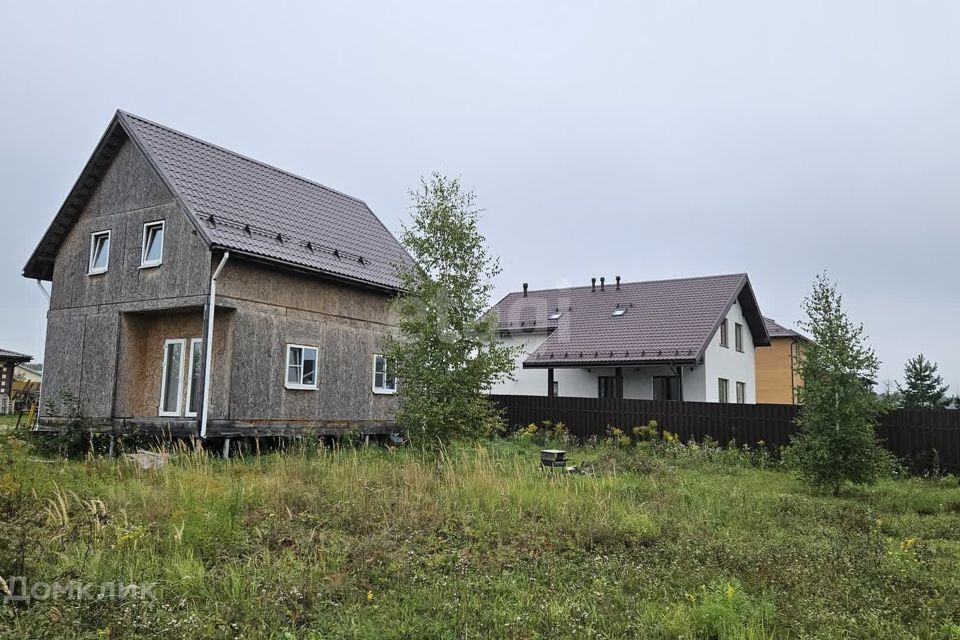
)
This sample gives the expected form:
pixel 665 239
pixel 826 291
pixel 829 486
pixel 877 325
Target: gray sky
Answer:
pixel 645 139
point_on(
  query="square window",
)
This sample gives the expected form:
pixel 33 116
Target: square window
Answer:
pixel 384 376
pixel 99 252
pixel 301 367
pixel 151 253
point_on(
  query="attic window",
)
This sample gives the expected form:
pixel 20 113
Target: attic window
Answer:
pixel 99 252
pixel 619 311
pixel 555 315
pixel 151 251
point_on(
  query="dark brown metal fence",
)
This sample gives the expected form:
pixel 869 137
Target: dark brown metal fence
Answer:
pixel 923 438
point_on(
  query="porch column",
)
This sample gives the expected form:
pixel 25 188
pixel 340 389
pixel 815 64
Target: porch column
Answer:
pixel 550 383
pixel 618 372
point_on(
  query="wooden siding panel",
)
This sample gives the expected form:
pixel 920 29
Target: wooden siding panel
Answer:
pixel 775 375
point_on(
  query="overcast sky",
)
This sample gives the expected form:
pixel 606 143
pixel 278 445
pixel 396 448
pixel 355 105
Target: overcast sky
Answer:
pixel 641 139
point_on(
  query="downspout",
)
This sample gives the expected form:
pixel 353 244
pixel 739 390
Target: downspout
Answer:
pixel 209 344
pixel 46 294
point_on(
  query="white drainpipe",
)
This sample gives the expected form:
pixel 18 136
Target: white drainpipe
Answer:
pixel 208 345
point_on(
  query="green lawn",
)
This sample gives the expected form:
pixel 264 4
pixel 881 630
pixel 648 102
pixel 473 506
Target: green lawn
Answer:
pixel 8 420
pixel 379 544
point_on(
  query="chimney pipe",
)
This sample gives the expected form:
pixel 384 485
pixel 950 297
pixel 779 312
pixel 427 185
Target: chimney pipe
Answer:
pixel 593 284
pixel 601 283
pixel 524 289
pixel 618 283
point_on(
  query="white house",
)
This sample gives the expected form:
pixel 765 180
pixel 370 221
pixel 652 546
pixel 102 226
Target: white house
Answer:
pixel 687 339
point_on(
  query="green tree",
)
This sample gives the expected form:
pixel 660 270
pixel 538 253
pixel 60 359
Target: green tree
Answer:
pixel 447 353
pixel 837 440
pixel 922 386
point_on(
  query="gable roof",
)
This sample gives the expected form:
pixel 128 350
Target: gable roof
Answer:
pixel 666 321
pixel 13 356
pixel 779 331
pixel 244 206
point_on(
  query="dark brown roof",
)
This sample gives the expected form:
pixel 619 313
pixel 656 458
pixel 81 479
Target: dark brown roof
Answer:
pixel 244 206
pixel 665 320
pixel 779 331
pixel 6 354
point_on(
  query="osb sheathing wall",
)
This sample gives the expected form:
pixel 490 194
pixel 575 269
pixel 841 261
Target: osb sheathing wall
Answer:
pixel 275 308
pixel 142 337
pixel 83 321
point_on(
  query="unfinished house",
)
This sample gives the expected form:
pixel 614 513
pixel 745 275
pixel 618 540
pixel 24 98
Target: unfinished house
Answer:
pixel 198 292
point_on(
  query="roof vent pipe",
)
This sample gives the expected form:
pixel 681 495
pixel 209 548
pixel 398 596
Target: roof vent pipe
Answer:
pixel 618 283
pixel 601 283
pixel 593 284
pixel 525 289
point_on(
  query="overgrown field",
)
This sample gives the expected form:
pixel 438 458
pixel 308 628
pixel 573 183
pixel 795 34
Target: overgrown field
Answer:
pixel 657 543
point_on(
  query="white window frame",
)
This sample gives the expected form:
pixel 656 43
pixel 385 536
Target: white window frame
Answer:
pixel 91 270
pixel 383 390
pixel 186 404
pixel 741 392
pixel 316 373
pixel 724 333
pixel 162 224
pixel 738 337
pixel 163 379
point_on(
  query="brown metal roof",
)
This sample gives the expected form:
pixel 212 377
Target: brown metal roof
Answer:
pixel 245 206
pixel 6 354
pixel 779 331
pixel 665 320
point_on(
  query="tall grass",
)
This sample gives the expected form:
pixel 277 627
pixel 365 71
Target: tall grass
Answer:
pixel 475 543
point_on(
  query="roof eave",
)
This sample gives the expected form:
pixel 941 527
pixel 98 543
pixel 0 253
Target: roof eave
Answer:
pixel 358 282
pixel 580 364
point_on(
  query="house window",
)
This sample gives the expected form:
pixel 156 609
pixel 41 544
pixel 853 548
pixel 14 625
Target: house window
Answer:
pixel 723 389
pixel 301 367
pixel 724 338
pixel 171 384
pixel 151 252
pixel 666 388
pixel 738 336
pixel 556 315
pixel 741 392
pixel 384 377
pixel 556 389
pixel 99 252
pixel 607 387
pixel 619 311
pixel 193 381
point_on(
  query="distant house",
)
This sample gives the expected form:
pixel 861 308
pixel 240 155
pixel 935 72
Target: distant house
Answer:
pixel 688 339
pixel 9 361
pixel 777 378
pixel 27 378
pixel 198 291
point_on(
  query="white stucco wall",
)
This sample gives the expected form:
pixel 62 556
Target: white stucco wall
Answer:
pixel 527 382
pixel 727 362
pixel 582 383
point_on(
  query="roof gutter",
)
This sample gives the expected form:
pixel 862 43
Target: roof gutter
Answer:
pixel 208 344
